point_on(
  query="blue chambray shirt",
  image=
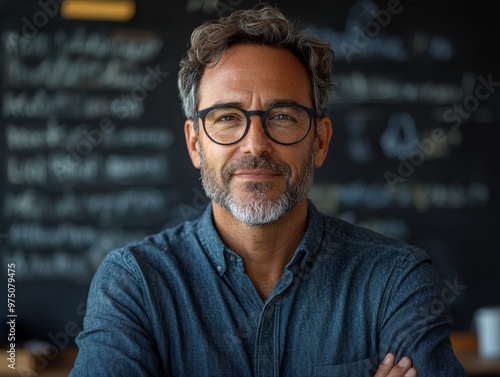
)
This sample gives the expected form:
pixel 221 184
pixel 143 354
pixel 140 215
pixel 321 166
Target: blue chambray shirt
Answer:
pixel 179 303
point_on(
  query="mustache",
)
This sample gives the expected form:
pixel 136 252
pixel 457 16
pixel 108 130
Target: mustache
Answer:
pixel 256 162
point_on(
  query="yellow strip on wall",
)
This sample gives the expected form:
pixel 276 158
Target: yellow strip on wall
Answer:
pixel 99 10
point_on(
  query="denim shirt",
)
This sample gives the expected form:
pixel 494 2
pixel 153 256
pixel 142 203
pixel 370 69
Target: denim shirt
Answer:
pixel 179 303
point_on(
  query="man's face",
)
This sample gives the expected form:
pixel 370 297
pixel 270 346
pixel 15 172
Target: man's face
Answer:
pixel 256 180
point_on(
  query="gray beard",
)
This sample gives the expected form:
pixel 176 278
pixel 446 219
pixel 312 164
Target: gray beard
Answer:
pixel 256 208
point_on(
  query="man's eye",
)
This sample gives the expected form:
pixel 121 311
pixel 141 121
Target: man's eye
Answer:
pixel 227 118
pixel 283 117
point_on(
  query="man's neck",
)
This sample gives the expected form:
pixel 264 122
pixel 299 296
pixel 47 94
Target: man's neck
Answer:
pixel 265 249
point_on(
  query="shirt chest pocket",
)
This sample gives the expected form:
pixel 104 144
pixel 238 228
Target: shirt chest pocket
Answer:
pixel 361 368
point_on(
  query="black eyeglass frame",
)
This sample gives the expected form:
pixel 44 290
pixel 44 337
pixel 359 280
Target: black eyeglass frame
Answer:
pixel 262 113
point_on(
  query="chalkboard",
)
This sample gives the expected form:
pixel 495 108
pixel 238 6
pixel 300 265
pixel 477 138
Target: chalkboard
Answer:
pixel 94 154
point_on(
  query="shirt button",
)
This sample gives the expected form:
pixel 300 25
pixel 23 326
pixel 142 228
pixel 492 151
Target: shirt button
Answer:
pixel 219 268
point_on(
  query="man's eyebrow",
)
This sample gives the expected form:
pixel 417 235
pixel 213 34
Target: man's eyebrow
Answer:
pixel 270 103
pixel 230 104
pixel 280 101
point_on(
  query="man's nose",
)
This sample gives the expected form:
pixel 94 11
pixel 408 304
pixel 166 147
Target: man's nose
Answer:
pixel 256 140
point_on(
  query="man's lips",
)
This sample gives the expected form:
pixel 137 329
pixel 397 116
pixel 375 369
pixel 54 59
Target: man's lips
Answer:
pixel 256 174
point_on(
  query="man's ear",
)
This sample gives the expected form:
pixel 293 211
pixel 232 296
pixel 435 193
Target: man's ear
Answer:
pixel 323 138
pixel 192 142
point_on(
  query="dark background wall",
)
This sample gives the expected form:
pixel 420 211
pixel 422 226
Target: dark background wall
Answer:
pixel 93 152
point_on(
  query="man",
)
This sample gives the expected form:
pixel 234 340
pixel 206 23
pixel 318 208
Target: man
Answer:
pixel 262 284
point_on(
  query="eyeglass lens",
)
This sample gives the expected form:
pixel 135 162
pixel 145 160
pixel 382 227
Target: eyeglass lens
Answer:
pixel 287 124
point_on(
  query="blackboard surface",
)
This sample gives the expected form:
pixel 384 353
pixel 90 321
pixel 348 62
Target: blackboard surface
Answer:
pixel 93 152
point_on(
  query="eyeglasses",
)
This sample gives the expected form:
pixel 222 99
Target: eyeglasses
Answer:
pixel 283 124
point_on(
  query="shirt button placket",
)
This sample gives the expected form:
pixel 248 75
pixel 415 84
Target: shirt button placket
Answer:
pixel 266 358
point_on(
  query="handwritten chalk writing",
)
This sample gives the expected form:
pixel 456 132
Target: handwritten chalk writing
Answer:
pixel 133 47
pixel 65 104
pixel 55 258
pixel 32 266
pixel 53 266
pixel 63 72
pixel 383 46
pixel 53 72
pixel 123 168
pixel 67 235
pixel 41 169
pixel 29 204
pixel 359 145
pixel 70 235
pixel 400 136
pixel 59 87
pixel 23 205
pixel 55 134
pixel 122 45
pixel 470 104
pixel 132 201
pixel 30 171
pixel 15 44
pixel 365 37
pixel 31 138
pixel 420 195
pixel 357 87
pixel 362 37
pixel 364 29
pixel 138 93
pixel 132 137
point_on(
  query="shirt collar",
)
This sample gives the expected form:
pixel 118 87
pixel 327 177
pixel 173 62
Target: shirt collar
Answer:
pixel 215 248
pixel 211 241
pixel 311 241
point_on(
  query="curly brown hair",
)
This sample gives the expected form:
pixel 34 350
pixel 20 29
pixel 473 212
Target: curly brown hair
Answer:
pixel 261 25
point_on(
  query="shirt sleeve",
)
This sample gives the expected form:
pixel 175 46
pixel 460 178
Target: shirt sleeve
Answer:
pixel 415 319
pixel 116 340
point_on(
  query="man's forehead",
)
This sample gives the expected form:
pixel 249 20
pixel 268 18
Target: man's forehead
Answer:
pixel 257 58
pixel 250 62
pixel 241 74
